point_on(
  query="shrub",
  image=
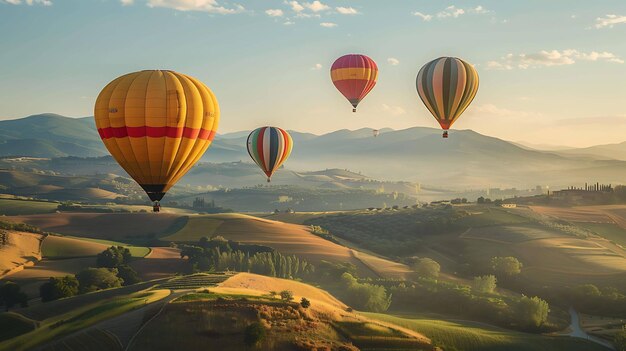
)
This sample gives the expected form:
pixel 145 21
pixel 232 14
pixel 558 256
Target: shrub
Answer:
pixel 427 268
pixel 305 303
pixel 254 334
pixel 92 279
pixel 484 284
pixel 286 295
pixel 58 288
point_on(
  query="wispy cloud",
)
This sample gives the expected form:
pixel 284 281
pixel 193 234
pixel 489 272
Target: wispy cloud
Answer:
pixel 274 12
pixel 393 110
pixel 127 2
pixel 451 12
pixel 211 6
pixel 609 21
pixel 347 10
pixel 289 23
pixel 27 2
pixel 328 24
pixel 550 58
pixel 317 67
pixel 423 16
pixel 393 61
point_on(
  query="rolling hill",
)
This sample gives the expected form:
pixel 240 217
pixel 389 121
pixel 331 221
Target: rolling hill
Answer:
pixel 466 159
pixel 50 135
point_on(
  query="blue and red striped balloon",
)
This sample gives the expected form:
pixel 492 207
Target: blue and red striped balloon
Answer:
pixel 269 147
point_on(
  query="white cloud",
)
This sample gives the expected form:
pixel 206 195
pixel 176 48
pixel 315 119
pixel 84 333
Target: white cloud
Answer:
pixel 328 24
pixel 211 6
pixel 274 12
pixel 28 2
pixel 317 67
pixel 479 10
pixel 393 110
pixel 127 2
pixel 609 21
pixel 451 11
pixel 425 17
pixel 393 61
pixel 295 6
pixel 289 23
pixel 316 6
pixel 347 10
pixel 550 58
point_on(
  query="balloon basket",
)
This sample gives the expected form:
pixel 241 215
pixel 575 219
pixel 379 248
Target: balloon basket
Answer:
pixel 353 110
pixel 445 134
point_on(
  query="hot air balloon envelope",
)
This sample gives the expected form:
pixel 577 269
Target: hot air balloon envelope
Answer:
pixel 447 86
pixel 354 76
pixel 156 124
pixel 269 147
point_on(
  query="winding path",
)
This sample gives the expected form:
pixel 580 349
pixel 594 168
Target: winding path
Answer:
pixel 578 332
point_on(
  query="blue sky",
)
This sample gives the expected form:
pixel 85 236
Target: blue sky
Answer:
pixel 552 72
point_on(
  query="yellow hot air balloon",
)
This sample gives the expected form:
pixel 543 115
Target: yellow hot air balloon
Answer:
pixel 156 124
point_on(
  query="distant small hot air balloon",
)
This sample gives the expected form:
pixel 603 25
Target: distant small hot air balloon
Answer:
pixel 447 86
pixel 375 132
pixel 156 124
pixel 269 147
pixel 354 76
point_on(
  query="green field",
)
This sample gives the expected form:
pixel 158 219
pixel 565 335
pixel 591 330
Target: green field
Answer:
pixel 92 340
pixel 469 336
pixel 488 216
pixel 15 207
pixel 12 325
pixel 609 231
pixel 195 281
pixel 196 228
pixel 43 311
pixel 80 318
pixel 69 246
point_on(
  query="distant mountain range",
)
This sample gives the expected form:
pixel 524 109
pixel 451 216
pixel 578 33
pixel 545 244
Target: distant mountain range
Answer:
pixel 465 160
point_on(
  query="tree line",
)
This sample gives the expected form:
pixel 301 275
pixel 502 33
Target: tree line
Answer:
pixel 219 254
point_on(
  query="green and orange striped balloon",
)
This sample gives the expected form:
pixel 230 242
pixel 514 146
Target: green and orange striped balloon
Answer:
pixel 269 147
pixel 447 86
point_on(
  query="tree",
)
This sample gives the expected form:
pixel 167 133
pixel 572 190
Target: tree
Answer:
pixel 92 279
pixel 506 266
pixel 366 296
pixel 484 284
pixel 286 295
pixel 532 311
pixel 480 200
pixel 305 303
pixel 128 275
pixel 254 334
pixel 113 257
pixel 58 288
pixel 12 294
pixel 427 268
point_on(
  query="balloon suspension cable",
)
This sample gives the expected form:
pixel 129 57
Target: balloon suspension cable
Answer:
pixel 445 134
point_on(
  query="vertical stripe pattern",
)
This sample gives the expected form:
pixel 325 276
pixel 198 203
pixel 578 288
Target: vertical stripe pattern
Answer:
pixel 269 147
pixel 447 86
pixel 354 76
pixel 156 124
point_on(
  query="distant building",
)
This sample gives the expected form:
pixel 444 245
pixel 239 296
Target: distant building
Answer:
pixel 509 205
